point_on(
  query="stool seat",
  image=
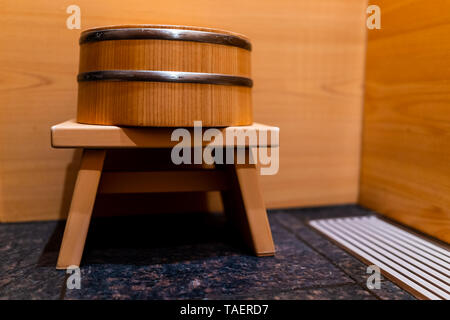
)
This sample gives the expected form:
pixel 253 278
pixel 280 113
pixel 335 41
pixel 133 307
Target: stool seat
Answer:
pixel 71 134
pixel 237 183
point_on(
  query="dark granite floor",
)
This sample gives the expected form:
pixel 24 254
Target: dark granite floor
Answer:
pixel 186 257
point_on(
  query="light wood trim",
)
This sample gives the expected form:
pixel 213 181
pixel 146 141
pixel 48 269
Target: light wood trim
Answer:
pixel 71 134
pixel 80 212
pixel 244 206
pixel 163 181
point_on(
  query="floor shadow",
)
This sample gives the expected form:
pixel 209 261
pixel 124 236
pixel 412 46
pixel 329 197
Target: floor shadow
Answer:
pixel 49 254
pixel 163 227
pixel 151 239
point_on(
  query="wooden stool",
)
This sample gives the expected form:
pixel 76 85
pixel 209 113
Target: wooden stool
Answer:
pixel 238 183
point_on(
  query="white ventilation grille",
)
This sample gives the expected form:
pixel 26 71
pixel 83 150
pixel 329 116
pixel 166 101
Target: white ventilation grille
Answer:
pixel 414 263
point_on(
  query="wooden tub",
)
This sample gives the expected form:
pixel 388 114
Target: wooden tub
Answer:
pixel 164 76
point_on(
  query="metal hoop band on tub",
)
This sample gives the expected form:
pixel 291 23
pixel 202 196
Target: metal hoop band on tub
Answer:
pixel 165 34
pixel 165 76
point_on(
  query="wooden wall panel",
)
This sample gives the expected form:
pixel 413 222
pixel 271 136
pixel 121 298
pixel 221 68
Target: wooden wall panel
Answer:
pixel 308 65
pixel 406 138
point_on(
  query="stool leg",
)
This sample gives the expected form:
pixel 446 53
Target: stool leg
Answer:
pixel 81 208
pixel 244 205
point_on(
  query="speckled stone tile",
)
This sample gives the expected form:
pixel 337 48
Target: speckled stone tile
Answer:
pixel 188 256
pixel 24 271
pixel 297 222
pixel 342 292
pixel 203 270
pixel 326 212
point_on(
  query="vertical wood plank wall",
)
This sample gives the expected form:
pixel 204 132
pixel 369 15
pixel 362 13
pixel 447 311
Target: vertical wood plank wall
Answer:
pixel 406 136
pixel 308 68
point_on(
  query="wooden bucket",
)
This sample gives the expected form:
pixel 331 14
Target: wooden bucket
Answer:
pixel 164 76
